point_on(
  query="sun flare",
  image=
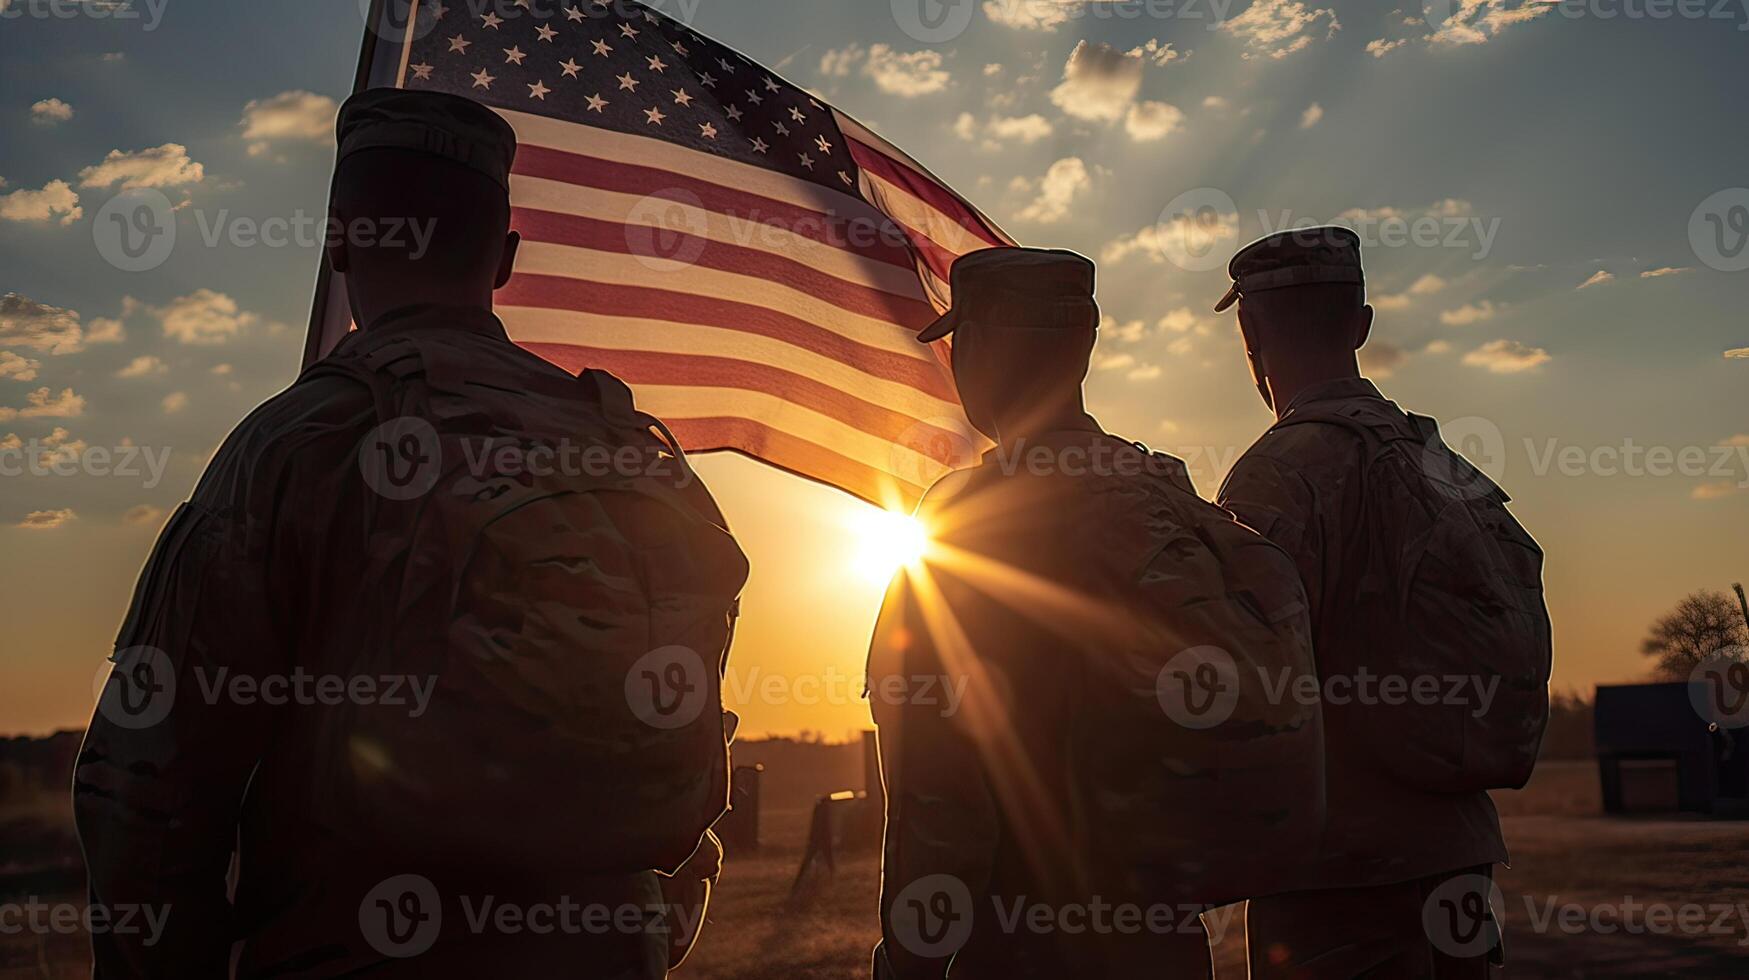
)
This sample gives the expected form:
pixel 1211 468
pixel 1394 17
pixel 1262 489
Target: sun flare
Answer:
pixel 886 541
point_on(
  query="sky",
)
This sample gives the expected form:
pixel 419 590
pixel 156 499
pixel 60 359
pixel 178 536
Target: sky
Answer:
pixel 1550 198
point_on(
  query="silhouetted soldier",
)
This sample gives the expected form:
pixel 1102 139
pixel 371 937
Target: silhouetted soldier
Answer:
pixel 1077 808
pixel 432 654
pixel 1431 635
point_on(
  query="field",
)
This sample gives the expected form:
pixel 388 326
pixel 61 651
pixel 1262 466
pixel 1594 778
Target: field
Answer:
pixel 1575 897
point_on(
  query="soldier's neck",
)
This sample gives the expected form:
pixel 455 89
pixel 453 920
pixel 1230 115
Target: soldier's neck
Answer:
pixel 1286 384
pixel 1067 418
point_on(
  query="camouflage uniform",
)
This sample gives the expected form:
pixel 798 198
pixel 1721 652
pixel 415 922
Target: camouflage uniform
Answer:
pixel 983 794
pixel 242 580
pixel 1300 487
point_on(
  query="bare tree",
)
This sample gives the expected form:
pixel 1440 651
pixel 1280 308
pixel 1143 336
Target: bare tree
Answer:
pixel 1702 624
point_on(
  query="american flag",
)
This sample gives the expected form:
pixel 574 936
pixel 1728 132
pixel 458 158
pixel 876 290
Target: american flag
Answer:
pixel 754 263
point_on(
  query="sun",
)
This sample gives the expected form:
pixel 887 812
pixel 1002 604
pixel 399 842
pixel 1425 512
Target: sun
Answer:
pixel 886 541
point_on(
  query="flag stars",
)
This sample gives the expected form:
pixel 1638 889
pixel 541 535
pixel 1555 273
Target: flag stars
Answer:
pixel 807 161
pixel 683 98
pixel 602 48
pixel 570 67
pixel 708 131
pixel 657 64
pixel 724 64
pixel 654 116
pixel 421 70
pixel 628 31
pixel 797 115
pixel 538 90
pixel 574 14
pixel 597 103
pixel 754 97
pixel 627 83
pixel 514 55
pixel 707 79
pixel 680 49
pixel 483 79
pixel 771 86
pixel 492 20
pixel 546 33
pixel 825 147
pixel 846 178
pixel 735 113
pixel 759 145
pixel 782 130
pixel 459 45
pixel 438 10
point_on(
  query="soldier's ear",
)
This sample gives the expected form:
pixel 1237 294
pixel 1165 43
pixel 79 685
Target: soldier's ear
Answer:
pixel 1364 327
pixel 335 246
pixel 507 260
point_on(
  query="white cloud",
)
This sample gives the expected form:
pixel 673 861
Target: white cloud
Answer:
pixel 1128 332
pixel 295 115
pixel 837 62
pixel 1152 120
pixel 1161 54
pixel 1058 189
pixel 105 330
pixel 1379 358
pixel 50 111
pixel 1664 271
pixel 1479 21
pixel 1740 441
pixel 1737 354
pixel 905 74
pixel 38 326
pixel 1185 233
pixel 1113 362
pixel 1380 47
pixel 1215 102
pixel 1310 117
pixel 45 404
pixel 1598 278
pixel 161 166
pixel 1278 28
pixel 1716 490
pixel 1507 357
pixel 143 514
pixel 1026 129
pixel 175 402
pixel 139 367
pixel 43 520
pixel 203 317
pixel 1144 372
pixel 1437 347
pixel 1030 15
pixel 56 200
pixel 1469 313
pixel 1427 285
pixel 17 368
pixel 1099 82
pixel 1181 320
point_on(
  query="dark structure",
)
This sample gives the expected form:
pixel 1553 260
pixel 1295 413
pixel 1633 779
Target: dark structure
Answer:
pixel 1655 752
pixel 739 828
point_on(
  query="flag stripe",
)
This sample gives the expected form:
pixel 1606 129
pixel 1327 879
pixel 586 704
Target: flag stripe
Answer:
pixel 948 222
pixel 549 228
pixel 618 299
pixel 530 326
pixel 758 440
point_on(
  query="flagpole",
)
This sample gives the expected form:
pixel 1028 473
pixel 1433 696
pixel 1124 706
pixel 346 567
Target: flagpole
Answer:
pixel 361 79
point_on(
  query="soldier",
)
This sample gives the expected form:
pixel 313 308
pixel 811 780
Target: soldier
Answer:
pixel 1419 580
pixel 1056 818
pixel 378 704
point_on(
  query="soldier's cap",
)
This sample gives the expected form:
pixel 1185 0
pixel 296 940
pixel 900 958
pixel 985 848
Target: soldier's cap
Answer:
pixel 1327 253
pixel 1024 287
pixel 443 125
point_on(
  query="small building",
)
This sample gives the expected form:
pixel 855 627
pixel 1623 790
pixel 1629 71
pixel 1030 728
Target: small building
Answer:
pixel 1657 752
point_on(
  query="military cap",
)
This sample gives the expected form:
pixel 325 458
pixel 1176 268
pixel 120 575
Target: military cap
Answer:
pixel 1033 287
pixel 443 125
pixel 1328 253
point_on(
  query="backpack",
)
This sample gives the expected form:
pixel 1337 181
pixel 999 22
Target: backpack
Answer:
pixel 1197 746
pixel 540 556
pixel 1447 586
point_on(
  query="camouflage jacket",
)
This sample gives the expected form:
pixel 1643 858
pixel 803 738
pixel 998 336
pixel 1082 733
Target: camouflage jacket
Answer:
pixel 189 763
pixel 1299 487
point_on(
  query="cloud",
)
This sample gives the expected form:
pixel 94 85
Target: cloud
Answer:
pixel 1310 117
pixel 1161 54
pixel 105 330
pixel 1469 313
pixel 1057 190
pixel 1188 234
pixel 1507 357
pixel 1381 47
pixel 1664 271
pixel 1181 320
pixel 161 166
pixel 38 326
pixel 143 515
pixel 175 402
pixel 17 368
pixel 203 317
pixel 1716 490
pixel 1738 441
pixel 43 404
pixel 50 111
pixel 1113 362
pixel 1737 354
pixel 1099 82
pixel 1030 15
pixel 1427 285
pixel 1479 21
pixel 1437 347
pixel 838 62
pixel 1215 102
pixel 1026 129
pixel 907 75
pixel 1380 358
pixel 57 199
pixel 1149 121
pixel 1278 28
pixel 295 115
pixel 1128 332
pixel 43 520
pixel 1144 372
pixel 142 366
pixel 1598 278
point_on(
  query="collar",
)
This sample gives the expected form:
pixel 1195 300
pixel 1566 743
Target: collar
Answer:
pixel 469 319
pixel 1338 390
